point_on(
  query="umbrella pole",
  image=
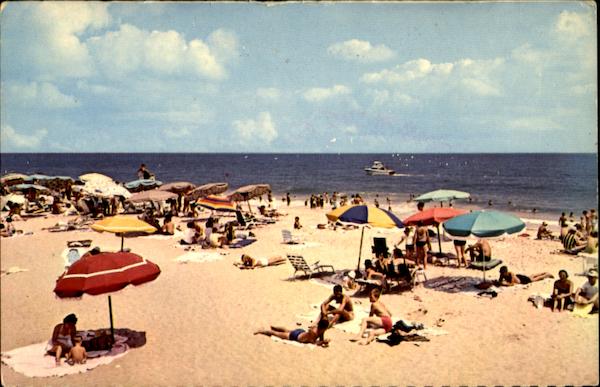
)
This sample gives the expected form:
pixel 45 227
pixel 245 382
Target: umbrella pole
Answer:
pixel 249 207
pixel 439 238
pixel 112 329
pixel 362 233
pixel 122 241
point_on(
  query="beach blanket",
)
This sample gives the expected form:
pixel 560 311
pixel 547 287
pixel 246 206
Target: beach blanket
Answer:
pixel 582 310
pixel 352 326
pixel 32 361
pixel 453 284
pixel 177 235
pixel 199 256
pixel 242 243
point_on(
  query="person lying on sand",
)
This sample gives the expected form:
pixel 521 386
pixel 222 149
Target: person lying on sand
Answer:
pixel 509 279
pixel 345 310
pixel 311 336
pixel 588 292
pixel 380 320
pixel 562 291
pixel 247 262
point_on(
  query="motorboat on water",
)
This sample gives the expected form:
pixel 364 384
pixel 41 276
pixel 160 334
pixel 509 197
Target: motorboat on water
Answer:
pixel 379 169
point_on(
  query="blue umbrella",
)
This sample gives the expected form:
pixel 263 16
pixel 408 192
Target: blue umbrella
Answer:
pixel 483 224
pixel 142 184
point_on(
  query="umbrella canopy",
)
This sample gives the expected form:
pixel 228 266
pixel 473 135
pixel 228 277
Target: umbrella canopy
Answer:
pixel 178 186
pixel 105 273
pixel 152 196
pixel 483 224
pixel 248 192
pixel 103 188
pixel 12 198
pixel 207 189
pixel 219 203
pixel 26 187
pixel 442 195
pixel 433 216
pixel 12 178
pixel 95 177
pixel 142 185
pixel 122 225
pixel 362 214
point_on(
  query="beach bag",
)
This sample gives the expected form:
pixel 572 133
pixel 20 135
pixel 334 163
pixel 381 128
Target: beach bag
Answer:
pixel 102 342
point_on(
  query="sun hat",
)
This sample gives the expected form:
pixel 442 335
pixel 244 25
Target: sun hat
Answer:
pixel 592 273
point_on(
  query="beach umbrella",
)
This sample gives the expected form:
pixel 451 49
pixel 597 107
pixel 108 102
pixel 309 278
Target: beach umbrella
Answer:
pixel 104 273
pixel 12 198
pixel 207 189
pixel 442 195
pixel 217 203
pixel 248 192
pixel 152 196
pixel 12 179
pixel 363 214
pixel 483 224
pixel 95 177
pixel 433 216
pixel 178 186
pixel 142 185
pixel 121 225
pixel 27 187
pixel 103 188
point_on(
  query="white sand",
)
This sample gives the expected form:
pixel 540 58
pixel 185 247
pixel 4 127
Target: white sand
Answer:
pixel 199 317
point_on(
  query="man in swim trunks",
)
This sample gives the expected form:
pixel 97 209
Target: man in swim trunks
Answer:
pixel 509 279
pixel 588 292
pixel 480 251
pixel 422 243
pixel 380 319
pixel 345 310
pixel 312 336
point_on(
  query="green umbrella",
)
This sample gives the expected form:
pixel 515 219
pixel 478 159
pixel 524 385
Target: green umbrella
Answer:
pixel 442 195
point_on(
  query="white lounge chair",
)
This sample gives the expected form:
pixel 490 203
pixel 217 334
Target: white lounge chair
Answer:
pixel 289 238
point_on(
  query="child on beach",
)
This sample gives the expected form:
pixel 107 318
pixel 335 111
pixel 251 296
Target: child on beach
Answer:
pixel 77 354
pixel 297 225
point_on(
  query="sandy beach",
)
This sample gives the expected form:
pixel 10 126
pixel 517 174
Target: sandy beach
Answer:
pixel 199 317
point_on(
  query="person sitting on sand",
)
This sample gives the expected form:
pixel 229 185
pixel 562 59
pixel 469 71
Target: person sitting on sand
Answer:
pixel 380 320
pixel 562 291
pixel 573 241
pixel 247 262
pixel 509 279
pixel 543 232
pixel 77 354
pixel 480 251
pixel 344 311
pixel 592 243
pixel 297 225
pixel 63 337
pixel 191 235
pixel 587 293
pixel 168 227
pixel 372 274
pixel 311 336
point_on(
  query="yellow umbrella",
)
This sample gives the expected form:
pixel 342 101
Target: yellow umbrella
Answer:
pixel 122 224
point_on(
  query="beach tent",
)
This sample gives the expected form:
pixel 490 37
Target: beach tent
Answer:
pixel 121 225
pixel 433 216
pixel 207 189
pixel 483 224
pixel 103 273
pixel 363 214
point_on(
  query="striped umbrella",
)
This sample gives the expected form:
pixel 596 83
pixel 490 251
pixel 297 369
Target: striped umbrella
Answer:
pixel 363 214
pixel 121 225
pixel 217 203
pixel 103 273
pixel 207 189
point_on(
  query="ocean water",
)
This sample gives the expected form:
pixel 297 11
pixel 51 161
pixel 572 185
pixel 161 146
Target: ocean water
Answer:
pixel 550 183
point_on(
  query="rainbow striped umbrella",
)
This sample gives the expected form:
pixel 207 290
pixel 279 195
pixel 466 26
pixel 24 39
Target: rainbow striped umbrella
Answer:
pixel 217 203
pixel 363 214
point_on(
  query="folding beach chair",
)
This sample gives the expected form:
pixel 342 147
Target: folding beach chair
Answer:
pixel 244 224
pixel 289 238
pixel 380 248
pixel 299 264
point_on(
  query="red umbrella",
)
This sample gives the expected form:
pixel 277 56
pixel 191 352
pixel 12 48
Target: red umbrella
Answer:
pixel 105 273
pixel 433 216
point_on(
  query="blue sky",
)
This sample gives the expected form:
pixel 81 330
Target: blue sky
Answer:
pixel 345 77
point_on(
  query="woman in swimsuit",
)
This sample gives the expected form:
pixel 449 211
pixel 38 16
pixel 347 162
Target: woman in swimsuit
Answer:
pixel 247 262
pixel 422 243
pixel 563 289
pixel 63 337
pixel 311 336
pixel 380 319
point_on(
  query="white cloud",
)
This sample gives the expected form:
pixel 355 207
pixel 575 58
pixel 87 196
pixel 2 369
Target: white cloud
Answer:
pixel 351 129
pixel 131 49
pixel 270 93
pixel 526 53
pixel 480 87
pixel 535 123
pixel 409 71
pixel 177 132
pixel 318 94
pixel 360 51
pixel 573 25
pixel 10 136
pixel 261 129
pixel 38 94
pixel 56 48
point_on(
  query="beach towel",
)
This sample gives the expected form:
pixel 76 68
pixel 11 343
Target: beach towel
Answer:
pixel 13 270
pixel 72 254
pixel 352 326
pixel 177 235
pixel 197 256
pixel 583 310
pixel 453 284
pixel 32 361
pixel 242 243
